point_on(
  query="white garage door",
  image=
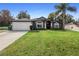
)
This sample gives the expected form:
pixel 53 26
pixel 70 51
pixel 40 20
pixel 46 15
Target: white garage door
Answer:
pixel 21 25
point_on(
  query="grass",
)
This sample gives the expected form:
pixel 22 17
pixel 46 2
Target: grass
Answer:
pixel 3 28
pixel 2 31
pixel 45 43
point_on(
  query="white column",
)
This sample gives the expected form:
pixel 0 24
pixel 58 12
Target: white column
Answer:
pixel 45 24
pixel 42 25
pixel 51 24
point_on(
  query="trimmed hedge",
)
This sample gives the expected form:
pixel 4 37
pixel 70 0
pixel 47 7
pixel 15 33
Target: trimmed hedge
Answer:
pixel 3 28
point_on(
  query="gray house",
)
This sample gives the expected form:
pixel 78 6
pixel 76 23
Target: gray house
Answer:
pixel 37 23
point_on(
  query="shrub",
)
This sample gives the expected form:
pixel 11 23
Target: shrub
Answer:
pixel 10 27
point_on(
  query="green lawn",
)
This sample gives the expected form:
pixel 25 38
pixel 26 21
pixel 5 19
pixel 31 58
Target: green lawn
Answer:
pixel 2 31
pixel 55 43
pixel 3 28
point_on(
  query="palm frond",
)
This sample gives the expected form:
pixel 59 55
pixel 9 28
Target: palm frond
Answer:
pixel 72 9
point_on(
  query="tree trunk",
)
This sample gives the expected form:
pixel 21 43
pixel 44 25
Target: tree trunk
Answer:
pixel 63 20
pixel 63 24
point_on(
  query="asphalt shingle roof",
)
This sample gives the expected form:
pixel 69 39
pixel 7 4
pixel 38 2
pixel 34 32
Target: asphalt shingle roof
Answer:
pixel 28 20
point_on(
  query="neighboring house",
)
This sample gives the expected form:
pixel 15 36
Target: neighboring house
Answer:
pixel 71 26
pixel 37 23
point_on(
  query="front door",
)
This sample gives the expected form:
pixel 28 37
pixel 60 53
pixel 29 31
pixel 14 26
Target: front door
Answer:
pixel 48 24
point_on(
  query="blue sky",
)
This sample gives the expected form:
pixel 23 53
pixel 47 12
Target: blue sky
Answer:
pixel 35 9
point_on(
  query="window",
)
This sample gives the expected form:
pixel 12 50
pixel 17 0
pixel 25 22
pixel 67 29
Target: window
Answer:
pixel 39 26
pixel 56 25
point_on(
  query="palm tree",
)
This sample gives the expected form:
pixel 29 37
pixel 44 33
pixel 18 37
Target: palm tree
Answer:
pixel 62 9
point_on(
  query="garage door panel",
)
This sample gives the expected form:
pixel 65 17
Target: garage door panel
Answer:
pixel 21 25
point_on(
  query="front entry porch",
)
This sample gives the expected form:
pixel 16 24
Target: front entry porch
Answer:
pixel 48 24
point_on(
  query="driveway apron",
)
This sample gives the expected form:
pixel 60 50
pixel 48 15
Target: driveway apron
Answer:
pixel 8 37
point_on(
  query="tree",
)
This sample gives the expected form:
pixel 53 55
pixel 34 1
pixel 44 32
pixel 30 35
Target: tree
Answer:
pixel 62 9
pixel 23 14
pixel 0 20
pixel 51 16
pixel 5 17
pixel 68 18
pixel 77 21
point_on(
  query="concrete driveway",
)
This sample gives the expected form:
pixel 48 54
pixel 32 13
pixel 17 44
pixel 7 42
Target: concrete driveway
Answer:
pixel 8 37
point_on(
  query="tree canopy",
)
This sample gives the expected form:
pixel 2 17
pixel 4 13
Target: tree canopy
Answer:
pixel 62 9
pixel 23 14
pixel 5 17
pixel 52 15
